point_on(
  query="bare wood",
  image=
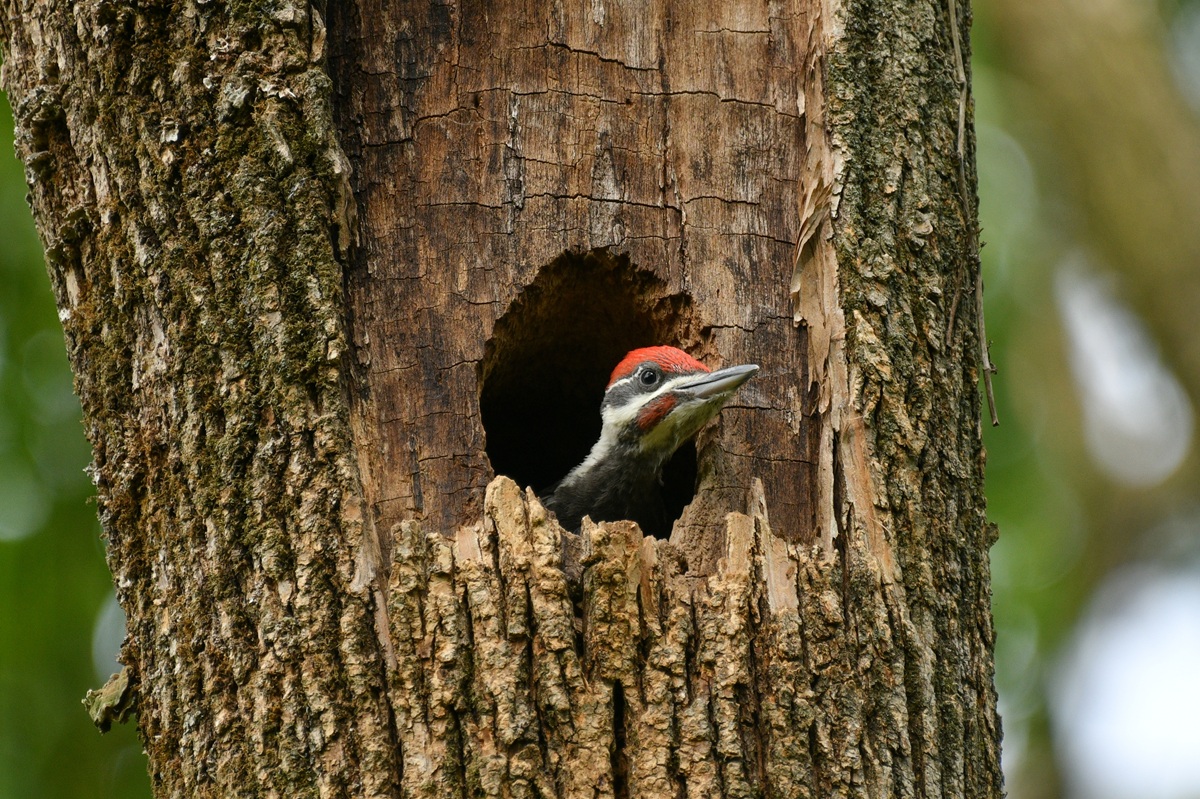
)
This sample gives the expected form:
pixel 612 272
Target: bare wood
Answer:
pixel 509 135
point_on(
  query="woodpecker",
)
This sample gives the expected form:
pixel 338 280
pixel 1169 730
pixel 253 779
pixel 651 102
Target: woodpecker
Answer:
pixel 656 399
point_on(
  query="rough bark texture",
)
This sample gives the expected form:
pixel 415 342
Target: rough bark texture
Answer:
pixel 190 193
pixel 759 181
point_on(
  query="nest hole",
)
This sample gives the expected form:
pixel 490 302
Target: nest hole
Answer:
pixel 549 359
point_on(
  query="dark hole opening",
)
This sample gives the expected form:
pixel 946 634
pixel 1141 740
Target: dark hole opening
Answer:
pixel 549 360
pixel 619 757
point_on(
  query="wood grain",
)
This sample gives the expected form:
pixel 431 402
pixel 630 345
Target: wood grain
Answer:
pixel 666 133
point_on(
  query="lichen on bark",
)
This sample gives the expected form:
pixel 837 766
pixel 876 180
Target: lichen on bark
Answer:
pixel 190 193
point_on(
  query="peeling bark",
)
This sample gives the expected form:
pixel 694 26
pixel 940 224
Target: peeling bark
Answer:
pixel 329 592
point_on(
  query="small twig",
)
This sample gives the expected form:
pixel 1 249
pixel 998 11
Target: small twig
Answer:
pixel 989 368
pixel 954 308
pixel 960 75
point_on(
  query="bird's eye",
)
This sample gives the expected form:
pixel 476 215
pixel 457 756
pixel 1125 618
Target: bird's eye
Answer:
pixel 649 377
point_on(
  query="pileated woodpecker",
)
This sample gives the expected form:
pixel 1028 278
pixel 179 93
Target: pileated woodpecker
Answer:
pixel 657 398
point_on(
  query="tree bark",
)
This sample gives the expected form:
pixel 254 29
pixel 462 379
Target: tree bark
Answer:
pixel 300 380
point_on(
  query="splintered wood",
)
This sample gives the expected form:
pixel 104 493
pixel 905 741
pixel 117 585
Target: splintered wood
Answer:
pixel 640 681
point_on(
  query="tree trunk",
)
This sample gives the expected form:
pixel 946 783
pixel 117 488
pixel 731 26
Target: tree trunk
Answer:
pixel 300 380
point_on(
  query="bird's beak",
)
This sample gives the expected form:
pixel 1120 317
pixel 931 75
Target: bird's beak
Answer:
pixel 712 384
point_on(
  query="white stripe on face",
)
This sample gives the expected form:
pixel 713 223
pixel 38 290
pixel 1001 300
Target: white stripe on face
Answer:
pixel 625 414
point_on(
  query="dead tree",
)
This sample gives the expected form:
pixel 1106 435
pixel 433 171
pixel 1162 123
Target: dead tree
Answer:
pixel 325 273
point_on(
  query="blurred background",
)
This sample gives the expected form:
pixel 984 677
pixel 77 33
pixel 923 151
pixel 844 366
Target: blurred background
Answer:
pixel 1088 123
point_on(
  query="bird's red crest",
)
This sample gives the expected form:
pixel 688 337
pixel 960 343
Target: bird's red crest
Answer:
pixel 671 360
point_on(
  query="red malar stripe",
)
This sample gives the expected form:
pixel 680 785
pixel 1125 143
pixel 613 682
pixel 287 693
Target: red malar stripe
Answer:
pixel 655 412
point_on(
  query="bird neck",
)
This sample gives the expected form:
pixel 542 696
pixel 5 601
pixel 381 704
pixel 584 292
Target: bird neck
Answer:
pixel 618 462
pixel 617 480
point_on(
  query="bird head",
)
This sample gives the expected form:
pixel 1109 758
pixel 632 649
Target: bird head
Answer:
pixel 659 397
